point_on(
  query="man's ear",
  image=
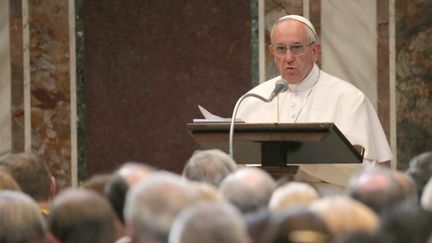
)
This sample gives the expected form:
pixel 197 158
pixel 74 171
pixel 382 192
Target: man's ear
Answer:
pixel 316 51
pixel 53 187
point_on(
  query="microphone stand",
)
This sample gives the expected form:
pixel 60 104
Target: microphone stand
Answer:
pixel 231 133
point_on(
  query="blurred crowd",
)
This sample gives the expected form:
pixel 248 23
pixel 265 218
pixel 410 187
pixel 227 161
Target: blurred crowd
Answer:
pixel 213 200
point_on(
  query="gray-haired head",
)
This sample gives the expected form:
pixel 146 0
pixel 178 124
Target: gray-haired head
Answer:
pixel 222 224
pixel 311 32
pixel 209 166
pixel 81 215
pixel 249 189
pixel 20 218
pixel 154 202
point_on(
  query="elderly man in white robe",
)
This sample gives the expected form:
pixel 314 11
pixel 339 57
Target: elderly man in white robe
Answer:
pixel 316 96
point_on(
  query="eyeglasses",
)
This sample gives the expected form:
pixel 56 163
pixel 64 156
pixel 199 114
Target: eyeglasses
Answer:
pixel 296 49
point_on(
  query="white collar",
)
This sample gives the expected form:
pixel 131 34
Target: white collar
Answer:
pixel 306 83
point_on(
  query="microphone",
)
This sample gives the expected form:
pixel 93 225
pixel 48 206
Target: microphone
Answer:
pixel 280 87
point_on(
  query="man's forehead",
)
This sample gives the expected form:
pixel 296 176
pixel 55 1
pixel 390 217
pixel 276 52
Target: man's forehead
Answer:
pixel 289 32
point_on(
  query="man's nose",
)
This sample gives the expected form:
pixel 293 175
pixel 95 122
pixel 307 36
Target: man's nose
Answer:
pixel 289 56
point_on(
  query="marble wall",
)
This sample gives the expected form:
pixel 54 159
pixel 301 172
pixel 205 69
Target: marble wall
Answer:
pixel 5 84
pixel 41 83
pixel 413 78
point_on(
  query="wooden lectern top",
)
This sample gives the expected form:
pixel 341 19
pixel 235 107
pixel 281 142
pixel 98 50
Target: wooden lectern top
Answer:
pixel 275 144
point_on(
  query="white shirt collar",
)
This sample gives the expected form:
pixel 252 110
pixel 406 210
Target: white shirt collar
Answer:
pixel 306 83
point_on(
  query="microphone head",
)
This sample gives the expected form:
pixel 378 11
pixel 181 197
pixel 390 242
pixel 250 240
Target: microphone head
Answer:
pixel 281 85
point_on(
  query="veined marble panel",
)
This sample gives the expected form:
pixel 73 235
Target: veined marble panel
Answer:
pixel 413 78
pixel 50 85
pixel 5 83
pixel 17 75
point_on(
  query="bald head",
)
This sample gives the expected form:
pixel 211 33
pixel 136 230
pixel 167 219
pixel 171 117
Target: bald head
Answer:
pixel 377 188
pixel 132 172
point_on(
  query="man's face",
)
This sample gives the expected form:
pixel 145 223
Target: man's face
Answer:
pixel 294 67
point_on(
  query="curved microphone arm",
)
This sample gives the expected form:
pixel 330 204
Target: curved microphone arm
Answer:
pixel 233 117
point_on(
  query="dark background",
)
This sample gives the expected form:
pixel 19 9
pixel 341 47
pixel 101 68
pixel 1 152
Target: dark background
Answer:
pixel 148 65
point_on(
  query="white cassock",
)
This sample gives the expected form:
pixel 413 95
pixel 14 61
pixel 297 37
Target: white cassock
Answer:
pixel 321 97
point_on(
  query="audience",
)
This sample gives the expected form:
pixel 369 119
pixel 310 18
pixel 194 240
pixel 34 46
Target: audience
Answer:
pixel 210 166
pixel 408 185
pixel 122 179
pixel 420 169
pixel 223 224
pixel 291 194
pixel 359 237
pixel 207 192
pixel 97 183
pixel 257 224
pixel 213 201
pixel 426 199
pixel 405 222
pixel 33 176
pixel 377 188
pixel 116 188
pixel 7 182
pixel 80 216
pixel 344 215
pixel 296 224
pixel 249 189
pixel 20 219
pixel 153 204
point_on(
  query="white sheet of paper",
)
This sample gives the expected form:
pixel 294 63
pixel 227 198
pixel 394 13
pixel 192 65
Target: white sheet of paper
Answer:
pixel 212 118
pixel 207 114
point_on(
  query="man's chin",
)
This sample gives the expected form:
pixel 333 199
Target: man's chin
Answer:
pixel 291 79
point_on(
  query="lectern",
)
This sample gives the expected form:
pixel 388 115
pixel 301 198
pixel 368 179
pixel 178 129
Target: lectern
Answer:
pixel 279 144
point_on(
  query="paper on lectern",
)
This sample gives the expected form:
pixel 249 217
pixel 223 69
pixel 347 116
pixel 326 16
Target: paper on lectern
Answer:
pixel 209 117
